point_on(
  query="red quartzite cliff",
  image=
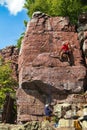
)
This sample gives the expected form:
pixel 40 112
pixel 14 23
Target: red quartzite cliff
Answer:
pixel 10 54
pixel 43 78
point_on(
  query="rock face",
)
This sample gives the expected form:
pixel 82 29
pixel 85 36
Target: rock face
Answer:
pixel 43 78
pixel 11 54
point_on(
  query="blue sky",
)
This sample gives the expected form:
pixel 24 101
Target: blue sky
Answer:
pixel 11 22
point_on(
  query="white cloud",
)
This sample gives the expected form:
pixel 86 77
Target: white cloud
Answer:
pixel 14 6
pixel 2 2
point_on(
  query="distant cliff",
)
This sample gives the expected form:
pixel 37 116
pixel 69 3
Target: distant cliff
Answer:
pixel 11 53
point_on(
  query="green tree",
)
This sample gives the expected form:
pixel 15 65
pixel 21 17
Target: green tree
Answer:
pixel 36 5
pixel 7 83
pixel 71 8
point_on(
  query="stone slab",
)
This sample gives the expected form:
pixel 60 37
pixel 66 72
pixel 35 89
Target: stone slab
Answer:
pixel 63 128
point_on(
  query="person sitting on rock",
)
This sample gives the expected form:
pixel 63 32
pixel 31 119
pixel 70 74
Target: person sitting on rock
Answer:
pixel 48 112
pixel 65 49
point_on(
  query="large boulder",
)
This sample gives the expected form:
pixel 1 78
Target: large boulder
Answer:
pixel 43 77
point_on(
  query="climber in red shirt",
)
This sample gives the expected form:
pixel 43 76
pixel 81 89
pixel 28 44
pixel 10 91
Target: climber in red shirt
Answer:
pixel 65 49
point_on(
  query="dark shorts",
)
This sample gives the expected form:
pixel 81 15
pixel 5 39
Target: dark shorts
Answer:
pixel 67 52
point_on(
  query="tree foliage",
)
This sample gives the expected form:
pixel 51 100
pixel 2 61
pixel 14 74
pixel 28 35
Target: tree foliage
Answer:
pixel 7 83
pixel 71 8
pixel 19 41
